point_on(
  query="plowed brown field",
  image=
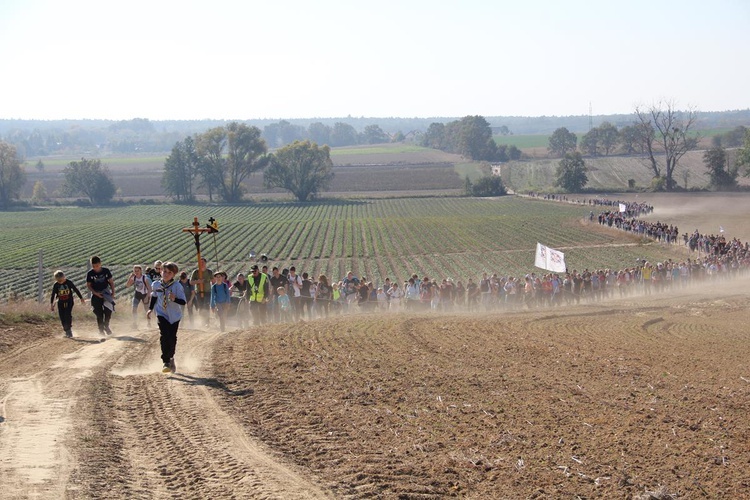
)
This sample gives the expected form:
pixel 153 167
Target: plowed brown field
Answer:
pixel 608 400
pixel 619 399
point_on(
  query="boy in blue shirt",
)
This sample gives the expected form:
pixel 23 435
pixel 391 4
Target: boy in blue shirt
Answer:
pixel 167 297
pixel 220 297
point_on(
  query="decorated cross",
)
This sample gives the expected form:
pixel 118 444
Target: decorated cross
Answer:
pixel 196 231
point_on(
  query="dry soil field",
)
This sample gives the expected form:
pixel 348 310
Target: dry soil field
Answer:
pixel 611 400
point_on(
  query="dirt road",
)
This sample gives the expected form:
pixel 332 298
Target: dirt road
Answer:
pixel 87 419
pixel 640 397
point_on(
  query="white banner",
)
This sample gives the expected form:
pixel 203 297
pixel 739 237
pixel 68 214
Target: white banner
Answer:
pixel 623 207
pixel 549 259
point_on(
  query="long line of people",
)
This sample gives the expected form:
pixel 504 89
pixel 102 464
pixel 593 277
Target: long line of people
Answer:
pixel 280 295
pixel 315 298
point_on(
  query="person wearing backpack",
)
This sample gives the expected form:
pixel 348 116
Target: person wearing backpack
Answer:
pixel 220 297
pixel 142 292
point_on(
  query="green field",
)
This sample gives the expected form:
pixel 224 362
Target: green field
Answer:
pixel 441 237
pixel 522 141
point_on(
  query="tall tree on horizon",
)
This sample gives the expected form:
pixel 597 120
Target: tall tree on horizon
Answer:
pixel 228 155
pixel 302 168
pixel 571 173
pixel 562 141
pixel 12 174
pixel 181 170
pixel 89 178
pixel 673 131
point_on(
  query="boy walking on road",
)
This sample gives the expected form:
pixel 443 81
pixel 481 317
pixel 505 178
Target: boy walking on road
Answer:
pixel 166 297
pixel 102 287
pixel 64 289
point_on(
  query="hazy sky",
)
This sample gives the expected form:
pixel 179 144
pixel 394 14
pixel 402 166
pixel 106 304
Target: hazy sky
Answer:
pixel 226 59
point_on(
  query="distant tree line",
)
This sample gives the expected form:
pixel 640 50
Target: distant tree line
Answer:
pixel 144 136
pixel 339 134
pixel 604 140
pixel 140 135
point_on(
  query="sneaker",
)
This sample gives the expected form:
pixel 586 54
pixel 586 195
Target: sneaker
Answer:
pixel 108 330
pixel 172 366
pixel 166 368
pixel 69 334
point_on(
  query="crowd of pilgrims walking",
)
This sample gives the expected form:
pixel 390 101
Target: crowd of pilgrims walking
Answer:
pixel 284 295
pixel 280 295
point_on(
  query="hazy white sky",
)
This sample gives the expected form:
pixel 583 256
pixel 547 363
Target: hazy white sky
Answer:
pixel 228 59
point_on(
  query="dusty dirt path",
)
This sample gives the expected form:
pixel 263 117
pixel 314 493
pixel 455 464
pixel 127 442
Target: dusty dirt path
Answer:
pixel 83 419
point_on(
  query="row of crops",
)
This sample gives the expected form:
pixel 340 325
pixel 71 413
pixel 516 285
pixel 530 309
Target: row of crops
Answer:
pixel 440 237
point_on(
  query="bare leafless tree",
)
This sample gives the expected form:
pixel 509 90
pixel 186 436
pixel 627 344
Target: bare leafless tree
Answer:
pixel 666 134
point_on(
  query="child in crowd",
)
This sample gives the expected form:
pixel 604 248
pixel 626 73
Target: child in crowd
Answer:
pixel 102 287
pixel 220 297
pixel 64 289
pixel 167 297
pixel 142 285
pixel 285 307
pixel 396 294
pixel 240 288
pixel 189 289
pixel 382 299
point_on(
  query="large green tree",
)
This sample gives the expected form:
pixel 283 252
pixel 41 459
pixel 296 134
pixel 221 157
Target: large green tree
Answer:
pixel 571 173
pixel 608 137
pixel 89 178
pixel 228 155
pixel 474 139
pixel 672 130
pixel 434 137
pixel 12 174
pixel 373 134
pixel 343 134
pixel 590 142
pixel 600 140
pixel 319 133
pixel 562 141
pixel 471 136
pixel 629 140
pixel 721 178
pixel 303 168
pixel 281 133
pixel 181 170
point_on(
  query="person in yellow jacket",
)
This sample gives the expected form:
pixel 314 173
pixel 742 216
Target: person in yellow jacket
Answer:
pixel 258 295
pixel 647 276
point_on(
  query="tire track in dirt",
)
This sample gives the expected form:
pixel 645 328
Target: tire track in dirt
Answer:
pixel 36 416
pixel 179 442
